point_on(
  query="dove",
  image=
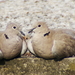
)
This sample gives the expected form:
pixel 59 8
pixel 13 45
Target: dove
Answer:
pixel 51 43
pixel 12 41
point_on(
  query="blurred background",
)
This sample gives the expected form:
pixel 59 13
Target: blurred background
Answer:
pixel 57 13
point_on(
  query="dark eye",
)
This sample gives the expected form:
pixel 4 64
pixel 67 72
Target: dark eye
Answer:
pixel 14 27
pixel 39 25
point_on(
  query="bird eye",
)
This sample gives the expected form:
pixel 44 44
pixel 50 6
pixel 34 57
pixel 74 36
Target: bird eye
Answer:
pixel 39 25
pixel 14 27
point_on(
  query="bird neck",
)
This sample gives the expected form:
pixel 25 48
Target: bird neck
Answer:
pixel 46 34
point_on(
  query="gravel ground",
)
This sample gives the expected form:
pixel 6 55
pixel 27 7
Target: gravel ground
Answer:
pixel 57 13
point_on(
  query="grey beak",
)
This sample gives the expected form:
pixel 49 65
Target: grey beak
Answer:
pixel 22 33
pixel 31 30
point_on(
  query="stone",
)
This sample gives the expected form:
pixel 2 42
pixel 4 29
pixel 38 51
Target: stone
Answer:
pixel 37 66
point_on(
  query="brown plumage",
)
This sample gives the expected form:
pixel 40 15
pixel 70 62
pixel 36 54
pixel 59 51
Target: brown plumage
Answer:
pixel 11 41
pixel 51 43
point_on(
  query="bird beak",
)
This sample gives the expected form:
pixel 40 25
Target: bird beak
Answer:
pixel 22 33
pixel 31 30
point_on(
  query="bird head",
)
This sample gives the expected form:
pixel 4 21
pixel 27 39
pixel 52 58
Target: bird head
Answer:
pixel 39 27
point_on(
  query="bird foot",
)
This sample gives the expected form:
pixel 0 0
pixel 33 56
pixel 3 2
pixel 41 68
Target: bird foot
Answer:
pixel 28 54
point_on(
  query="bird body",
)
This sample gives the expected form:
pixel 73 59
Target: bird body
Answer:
pixel 11 41
pixel 52 43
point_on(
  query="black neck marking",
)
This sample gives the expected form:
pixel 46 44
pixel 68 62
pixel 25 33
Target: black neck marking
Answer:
pixel 22 33
pixel 6 36
pixel 47 33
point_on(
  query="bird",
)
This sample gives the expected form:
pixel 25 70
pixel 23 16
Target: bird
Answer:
pixel 12 41
pixel 51 43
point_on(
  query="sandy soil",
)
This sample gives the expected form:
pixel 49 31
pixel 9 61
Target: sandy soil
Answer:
pixel 57 13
